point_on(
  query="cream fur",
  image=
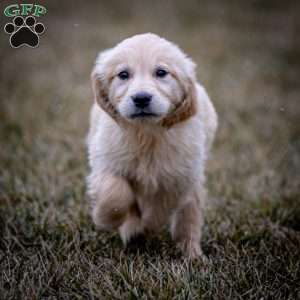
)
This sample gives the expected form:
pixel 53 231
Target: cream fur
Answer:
pixel 145 175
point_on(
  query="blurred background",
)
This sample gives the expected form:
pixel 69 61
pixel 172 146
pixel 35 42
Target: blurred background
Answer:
pixel 248 56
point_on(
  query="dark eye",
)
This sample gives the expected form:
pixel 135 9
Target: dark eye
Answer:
pixel 123 75
pixel 161 73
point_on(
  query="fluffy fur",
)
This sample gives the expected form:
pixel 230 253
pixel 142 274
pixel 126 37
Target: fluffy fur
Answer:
pixel 147 172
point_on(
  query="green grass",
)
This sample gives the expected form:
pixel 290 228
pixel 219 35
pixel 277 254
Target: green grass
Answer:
pixel 248 57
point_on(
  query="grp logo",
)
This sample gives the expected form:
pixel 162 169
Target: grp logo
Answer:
pixel 24 30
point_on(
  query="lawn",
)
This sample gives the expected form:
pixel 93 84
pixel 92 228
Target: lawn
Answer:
pixel 248 56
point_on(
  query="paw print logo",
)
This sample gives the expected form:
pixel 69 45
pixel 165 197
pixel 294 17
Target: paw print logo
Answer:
pixel 24 32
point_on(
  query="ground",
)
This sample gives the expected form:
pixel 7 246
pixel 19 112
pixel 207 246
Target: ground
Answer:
pixel 248 56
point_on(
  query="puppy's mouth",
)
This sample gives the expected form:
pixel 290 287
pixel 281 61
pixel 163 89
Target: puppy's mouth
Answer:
pixel 143 114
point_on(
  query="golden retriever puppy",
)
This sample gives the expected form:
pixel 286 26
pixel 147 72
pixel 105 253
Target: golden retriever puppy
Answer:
pixel 151 130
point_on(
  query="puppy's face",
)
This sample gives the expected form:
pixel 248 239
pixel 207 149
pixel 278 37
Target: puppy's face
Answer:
pixel 145 79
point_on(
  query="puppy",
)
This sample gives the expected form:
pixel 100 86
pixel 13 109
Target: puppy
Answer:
pixel 152 126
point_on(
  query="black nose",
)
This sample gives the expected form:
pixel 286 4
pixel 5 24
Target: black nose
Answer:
pixel 142 99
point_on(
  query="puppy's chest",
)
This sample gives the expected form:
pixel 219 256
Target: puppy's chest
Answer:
pixel 159 168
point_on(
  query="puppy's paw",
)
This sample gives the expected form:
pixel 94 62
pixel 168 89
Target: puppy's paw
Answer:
pixel 113 198
pixel 107 217
pixel 191 250
pixel 130 229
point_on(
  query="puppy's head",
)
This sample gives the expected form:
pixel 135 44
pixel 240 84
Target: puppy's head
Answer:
pixel 145 78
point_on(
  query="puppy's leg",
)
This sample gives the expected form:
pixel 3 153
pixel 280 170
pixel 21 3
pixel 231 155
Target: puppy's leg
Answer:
pixel 132 225
pixel 113 199
pixel 186 227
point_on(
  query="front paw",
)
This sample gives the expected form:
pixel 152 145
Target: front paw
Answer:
pixel 130 229
pixel 191 249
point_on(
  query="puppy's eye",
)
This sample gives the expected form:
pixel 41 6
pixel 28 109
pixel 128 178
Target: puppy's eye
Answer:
pixel 161 73
pixel 123 75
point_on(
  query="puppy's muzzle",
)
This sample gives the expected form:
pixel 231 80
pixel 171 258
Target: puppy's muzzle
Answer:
pixel 142 99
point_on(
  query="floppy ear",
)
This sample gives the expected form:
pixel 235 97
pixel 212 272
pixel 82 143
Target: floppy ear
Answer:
pixel 186 108
pixel 100 84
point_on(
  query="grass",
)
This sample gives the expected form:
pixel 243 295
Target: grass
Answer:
pixel 248 57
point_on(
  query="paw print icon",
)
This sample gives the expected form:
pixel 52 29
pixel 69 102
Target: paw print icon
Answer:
pixel 24 31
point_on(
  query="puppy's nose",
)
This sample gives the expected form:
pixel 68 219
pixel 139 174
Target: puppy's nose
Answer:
pixel 141 99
